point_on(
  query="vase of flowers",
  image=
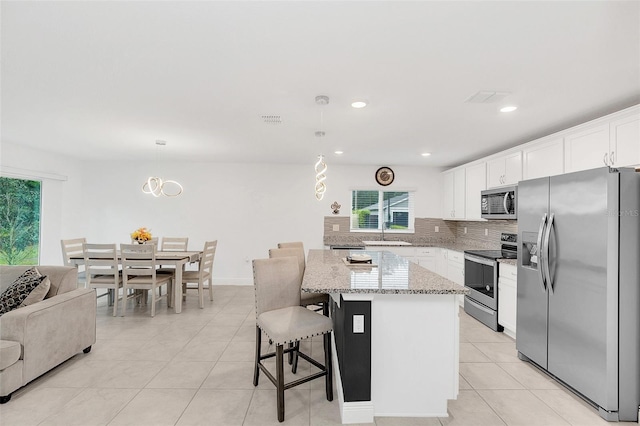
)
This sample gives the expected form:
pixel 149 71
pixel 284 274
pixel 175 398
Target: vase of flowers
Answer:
pixel 141 235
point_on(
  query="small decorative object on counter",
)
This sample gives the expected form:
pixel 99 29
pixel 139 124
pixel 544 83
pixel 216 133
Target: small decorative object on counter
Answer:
pixel 335 207
pixel 141 235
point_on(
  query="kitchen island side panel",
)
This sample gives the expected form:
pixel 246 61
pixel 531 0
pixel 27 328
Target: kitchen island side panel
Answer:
pixel 353 349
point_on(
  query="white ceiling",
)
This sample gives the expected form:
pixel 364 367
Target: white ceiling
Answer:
pixel 106 79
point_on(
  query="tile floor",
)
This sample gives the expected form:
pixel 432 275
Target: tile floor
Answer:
pixel 196 369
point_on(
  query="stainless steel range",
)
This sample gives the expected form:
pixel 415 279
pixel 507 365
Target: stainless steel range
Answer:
pixel 481 278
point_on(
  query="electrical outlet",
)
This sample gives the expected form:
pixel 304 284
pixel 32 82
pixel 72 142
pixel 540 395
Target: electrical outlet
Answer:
pixel 465 229
pixel 437 228
pixel 358 323
pixel 336 228
pixel 486 232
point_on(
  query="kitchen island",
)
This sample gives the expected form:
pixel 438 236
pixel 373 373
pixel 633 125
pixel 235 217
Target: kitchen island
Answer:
pixel 396 334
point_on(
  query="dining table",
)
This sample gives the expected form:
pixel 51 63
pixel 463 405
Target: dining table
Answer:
pixel 175 258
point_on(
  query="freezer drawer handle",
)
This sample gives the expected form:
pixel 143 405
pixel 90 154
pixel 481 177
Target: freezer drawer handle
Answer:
pixel 547 236
pixel 543 222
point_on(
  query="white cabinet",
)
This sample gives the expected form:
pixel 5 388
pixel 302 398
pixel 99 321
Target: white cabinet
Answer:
pixel 624 140
pixel 476 181
pixel 442 262
pixel 453 194
pixel 587 148
pixel 426 257
pixel 455 266
pixel 505 170
pixel 543 159
pixel 507 298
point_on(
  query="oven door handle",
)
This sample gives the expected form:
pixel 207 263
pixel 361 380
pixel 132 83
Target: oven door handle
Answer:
pixel 478 259
pixel 543 223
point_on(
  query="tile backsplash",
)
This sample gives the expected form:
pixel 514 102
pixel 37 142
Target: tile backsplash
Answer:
pixel 425 232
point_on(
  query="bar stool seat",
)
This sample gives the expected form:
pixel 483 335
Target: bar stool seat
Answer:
pixel 289 325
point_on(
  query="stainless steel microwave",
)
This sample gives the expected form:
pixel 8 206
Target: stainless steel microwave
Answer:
pixel 499 203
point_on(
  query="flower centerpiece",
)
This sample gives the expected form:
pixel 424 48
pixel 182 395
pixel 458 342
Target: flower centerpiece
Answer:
pixel 141 235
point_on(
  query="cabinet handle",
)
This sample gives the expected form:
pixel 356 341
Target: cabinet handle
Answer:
pixel 612 158
pixel 604 159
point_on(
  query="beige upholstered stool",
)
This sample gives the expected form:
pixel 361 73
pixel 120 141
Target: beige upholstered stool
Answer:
pixel 280 316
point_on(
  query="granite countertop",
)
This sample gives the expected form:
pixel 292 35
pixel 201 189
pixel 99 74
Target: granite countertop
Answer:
pixel 326 272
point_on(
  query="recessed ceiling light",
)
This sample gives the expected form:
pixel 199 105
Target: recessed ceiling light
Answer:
pixel 508 108
pixel 359 104
pixel 425 154
pixel 338 152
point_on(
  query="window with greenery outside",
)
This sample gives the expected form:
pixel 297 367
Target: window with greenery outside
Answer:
pixel 372 209
pixel 19 221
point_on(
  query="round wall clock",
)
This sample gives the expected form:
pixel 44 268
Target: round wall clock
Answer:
pixel 384 176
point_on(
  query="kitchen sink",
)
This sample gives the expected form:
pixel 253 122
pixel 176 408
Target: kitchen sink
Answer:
pixel 386 243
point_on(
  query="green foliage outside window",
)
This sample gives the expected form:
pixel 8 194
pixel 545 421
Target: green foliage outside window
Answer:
pixel 19 221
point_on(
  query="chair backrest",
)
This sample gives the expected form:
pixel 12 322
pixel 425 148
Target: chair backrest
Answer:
pixel 276 283
pixel 138 260
pixel 72 248
pixel 101 260
pixel 208 254
pixel 174 243
pixel 294 244
pixel 290 252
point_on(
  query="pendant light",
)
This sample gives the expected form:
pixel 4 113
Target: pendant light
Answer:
pixel 320 166
pixel 156 186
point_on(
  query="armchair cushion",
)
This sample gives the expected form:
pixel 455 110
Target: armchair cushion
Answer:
pixel 9 353
pixel 38 293
pixel 19 290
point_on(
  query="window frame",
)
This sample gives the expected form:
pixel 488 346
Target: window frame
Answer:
pixel 411 211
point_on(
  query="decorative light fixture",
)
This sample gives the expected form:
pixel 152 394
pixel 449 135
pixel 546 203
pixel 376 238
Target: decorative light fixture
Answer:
pixel 156 186
pixel 320 166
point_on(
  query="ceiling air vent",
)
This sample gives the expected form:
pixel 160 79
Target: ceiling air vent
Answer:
pixel 486 97
pixel 272 119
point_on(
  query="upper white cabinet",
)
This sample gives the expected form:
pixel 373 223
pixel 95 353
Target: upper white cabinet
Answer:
pixel 454 194
pixel 476 181
pixel 543 159
pixel 505 170
pixel 587 148
pixel 624 140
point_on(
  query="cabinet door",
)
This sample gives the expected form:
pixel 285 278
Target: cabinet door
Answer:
pixel 495 172
pixel 459 183
pixel 625 140
pixel 476 181
pixel 544 159
pixel 441 262
pixel 587 149
pixel 455 272
pixel 447 195
pixel 507 304
pixel 512 168
pixel 427 262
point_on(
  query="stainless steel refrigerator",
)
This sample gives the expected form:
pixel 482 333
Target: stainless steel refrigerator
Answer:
pixel 578 311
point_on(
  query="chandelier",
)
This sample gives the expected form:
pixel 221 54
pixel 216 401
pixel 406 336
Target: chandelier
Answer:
pixel 157 186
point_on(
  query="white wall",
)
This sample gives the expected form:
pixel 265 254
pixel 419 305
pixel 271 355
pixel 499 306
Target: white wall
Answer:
pixel 248 208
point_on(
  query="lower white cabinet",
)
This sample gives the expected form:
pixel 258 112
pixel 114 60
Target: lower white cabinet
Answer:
pixel 507 298
pixel 455 266
pixel 441 262
pixel 426 257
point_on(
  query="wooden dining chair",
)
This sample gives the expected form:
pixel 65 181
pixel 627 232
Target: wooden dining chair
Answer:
pixel 172 244
pixel 102 270
pixel 280 316
pixel 139 272
pixel 73 248
pixel 204 273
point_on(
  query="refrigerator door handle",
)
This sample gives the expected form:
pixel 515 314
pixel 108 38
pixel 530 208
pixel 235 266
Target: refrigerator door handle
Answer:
pixel 545 249
pixel 543 222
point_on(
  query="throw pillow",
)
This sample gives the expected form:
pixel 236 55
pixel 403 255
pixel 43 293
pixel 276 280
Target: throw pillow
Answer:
pixel 38 293
pixel 15 294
